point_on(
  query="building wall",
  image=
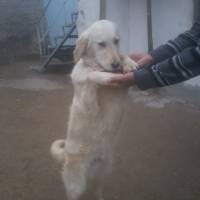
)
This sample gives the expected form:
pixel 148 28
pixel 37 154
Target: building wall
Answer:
pixel 130 15
pixel 137 26
pixel 17 21
pixel 89 12
pixel 125 14
pixel 118 11
pixel 170 18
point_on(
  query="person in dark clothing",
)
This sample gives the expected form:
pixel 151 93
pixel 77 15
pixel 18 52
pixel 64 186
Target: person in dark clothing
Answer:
pixel 171 63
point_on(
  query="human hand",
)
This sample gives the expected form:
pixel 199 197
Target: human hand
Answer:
pixel 121 80
pixel 142 58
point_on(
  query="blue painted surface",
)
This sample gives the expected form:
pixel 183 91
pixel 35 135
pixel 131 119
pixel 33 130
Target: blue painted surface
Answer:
pixel 58 15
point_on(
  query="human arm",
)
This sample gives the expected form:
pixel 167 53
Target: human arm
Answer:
pixel 185 40
pixel 180 67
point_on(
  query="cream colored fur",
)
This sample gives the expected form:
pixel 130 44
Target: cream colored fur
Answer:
pixel 95 111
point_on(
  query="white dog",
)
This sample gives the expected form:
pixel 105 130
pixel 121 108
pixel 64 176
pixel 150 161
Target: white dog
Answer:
pixel 95 110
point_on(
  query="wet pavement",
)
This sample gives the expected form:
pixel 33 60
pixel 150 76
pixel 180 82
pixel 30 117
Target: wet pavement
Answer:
pixel 156 154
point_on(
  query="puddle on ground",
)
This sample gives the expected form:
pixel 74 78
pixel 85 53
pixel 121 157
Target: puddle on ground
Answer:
pixel 187 94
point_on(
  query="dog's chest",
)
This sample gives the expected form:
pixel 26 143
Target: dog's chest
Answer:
pixel 111 102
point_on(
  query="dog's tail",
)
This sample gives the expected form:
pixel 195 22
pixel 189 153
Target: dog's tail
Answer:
pixel 57 150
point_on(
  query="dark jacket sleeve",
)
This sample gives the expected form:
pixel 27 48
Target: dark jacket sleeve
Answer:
pixel 185 40
pixel 178 68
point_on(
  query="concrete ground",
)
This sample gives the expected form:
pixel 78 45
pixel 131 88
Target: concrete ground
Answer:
pixel 156 154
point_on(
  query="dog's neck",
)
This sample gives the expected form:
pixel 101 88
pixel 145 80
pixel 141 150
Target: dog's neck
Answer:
pixel 92 64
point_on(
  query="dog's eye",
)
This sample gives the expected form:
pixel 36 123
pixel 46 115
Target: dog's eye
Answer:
pixel 116 41
pixel 102 44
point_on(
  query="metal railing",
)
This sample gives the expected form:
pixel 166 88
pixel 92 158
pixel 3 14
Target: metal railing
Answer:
pixel 49 34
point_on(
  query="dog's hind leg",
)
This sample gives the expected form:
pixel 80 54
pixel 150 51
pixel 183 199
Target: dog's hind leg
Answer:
pixel 74 176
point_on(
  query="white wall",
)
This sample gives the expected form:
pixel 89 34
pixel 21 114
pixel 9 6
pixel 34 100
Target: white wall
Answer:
pixel 130 15
pixel 117 11
pixel 89 12
pixel 138 41
pixel 170 18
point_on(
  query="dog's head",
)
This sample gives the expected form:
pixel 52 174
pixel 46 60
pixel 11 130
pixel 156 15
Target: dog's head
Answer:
pixel 100 43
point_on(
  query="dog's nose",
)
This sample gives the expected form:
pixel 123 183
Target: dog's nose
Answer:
pixel 115 65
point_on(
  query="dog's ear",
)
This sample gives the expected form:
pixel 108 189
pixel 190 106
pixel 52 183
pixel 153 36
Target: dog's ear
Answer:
pixel 81 47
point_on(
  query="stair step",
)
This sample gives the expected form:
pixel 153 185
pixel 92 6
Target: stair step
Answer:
pixel 74 36
pixel 71 36
pixel 48 60
pixel 65 50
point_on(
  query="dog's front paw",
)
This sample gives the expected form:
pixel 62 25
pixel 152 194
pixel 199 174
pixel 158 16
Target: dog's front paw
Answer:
pixel 128 64
pixel 101 78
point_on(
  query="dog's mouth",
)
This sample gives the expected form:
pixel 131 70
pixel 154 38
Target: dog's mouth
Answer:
pixel 116 71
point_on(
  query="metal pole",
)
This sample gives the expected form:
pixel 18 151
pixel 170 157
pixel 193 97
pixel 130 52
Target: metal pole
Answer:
pixel 149 25
pixel 196 7
pixel 102 9
pixel 39 42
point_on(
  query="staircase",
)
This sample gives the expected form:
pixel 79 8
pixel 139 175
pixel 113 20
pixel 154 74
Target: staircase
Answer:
pixel 57 31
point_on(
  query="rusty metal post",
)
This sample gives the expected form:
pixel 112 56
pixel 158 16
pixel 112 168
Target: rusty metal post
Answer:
pixel 149 25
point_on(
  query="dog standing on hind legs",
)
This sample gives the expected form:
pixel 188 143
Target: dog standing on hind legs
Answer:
pixel 95 111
